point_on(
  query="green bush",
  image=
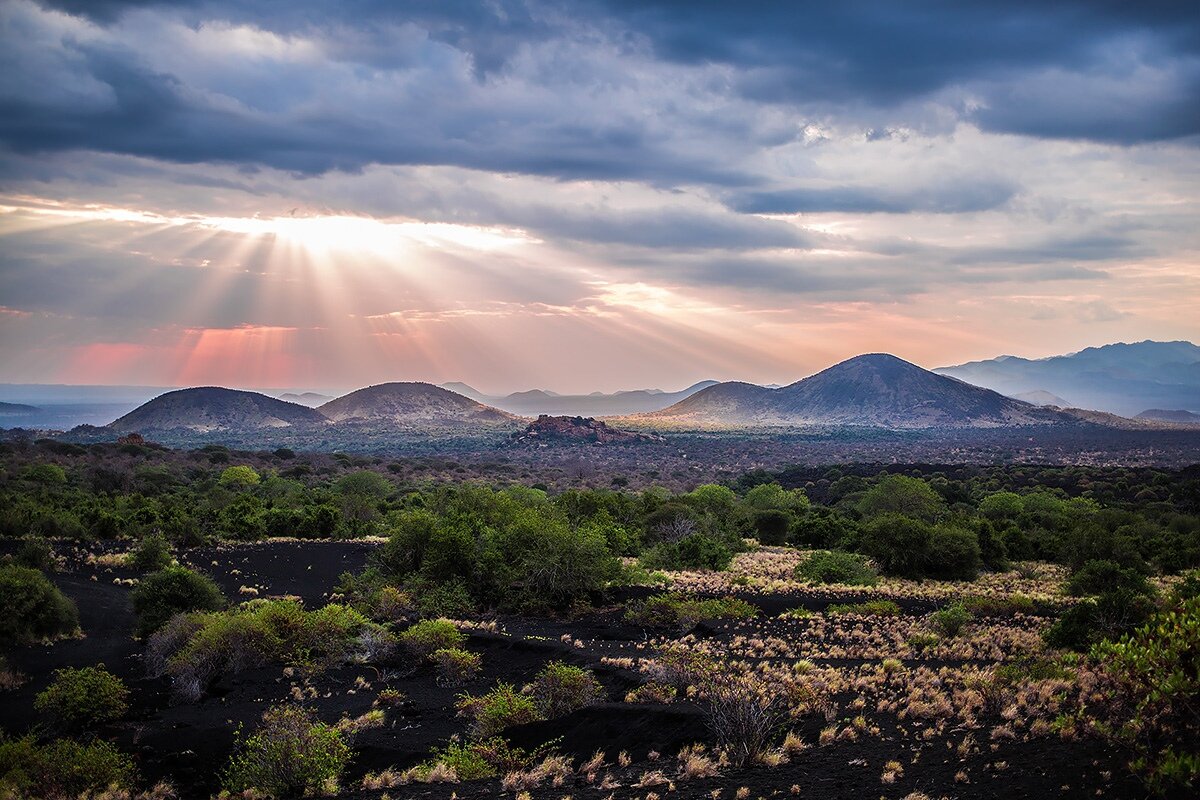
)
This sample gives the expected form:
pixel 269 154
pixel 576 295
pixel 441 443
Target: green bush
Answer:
pixel 683 611
pixel 953 555
pixel 170 591
pixel 561 688
pixel 500 708
pixel 898 545
pixel 152 553
pixel 771 526
pixel 32 608
pixel 950 621
pixel 871 608
pixel 428 636
pixel 1100 576
pixel 1152 697
pixel 836 566
pixel 695 551
pixel 83 698
pixel 1109 616
pixel 290 754
pixel 194 649
pixel 49 474
pixel 61 768
pixel 35 552
pixel 456 667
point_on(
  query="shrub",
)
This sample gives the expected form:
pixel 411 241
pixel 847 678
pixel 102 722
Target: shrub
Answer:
pixel 1152 697
pixel 694 551
pixel 1109 616
pixel 193 649
pixel 679 610
pixel 32 608
pixel 83 698
pixel 953 555
pixel 35 552
pixel 898 545
pixel 239 477
pixel 836 566
pixel 456 667
pixel 561 688
pixel 49 474
pixel 500 708
pixel 152 553
pixel 449 599
pixel 950 621
pixel 771 526
pixel 290 754
pixel 871 608
pixel 1099 576
pixel 170 591
pixel 61 768
pixel 428 636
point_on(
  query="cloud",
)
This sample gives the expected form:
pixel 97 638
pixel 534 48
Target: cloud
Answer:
pixel 963 196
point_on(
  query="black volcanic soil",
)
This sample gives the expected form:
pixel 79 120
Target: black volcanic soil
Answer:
pixel 190 743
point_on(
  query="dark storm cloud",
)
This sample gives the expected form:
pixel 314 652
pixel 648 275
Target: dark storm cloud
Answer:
pixel 1102 71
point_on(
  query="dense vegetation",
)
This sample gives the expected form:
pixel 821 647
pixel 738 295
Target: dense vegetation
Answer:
pixel 459 550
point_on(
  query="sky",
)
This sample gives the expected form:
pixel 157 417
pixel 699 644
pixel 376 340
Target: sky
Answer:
pixel 587 195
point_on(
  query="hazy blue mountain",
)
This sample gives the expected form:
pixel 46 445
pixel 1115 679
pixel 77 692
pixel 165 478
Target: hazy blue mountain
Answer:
pixel 1165 415
pixel 876 389
pixel 536 402
pixel 1040 397
pixel 1119 378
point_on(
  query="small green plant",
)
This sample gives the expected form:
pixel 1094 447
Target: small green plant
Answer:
pixel 871 608
pixel 428 636
pixel 561 688
pixel 456 667
pixel 836 566
pixel 923 642
pixel 680 610
pixel 62 768
pixel 83 698
pixel 500 708
pixel 152 553
pixel 950 621
pixel 170 591
pixel 32 608
pixel 290 754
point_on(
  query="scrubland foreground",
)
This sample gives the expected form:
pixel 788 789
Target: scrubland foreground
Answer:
pixel 193 624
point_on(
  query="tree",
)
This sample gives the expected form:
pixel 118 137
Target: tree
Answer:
pixel 239 478
pixel 900 494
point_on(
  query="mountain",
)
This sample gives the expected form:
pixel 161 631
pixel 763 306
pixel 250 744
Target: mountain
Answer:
pixel 17 408
pixel 876 390
pixel 465 390
pixel 1118 378
pixel 310 399
pixel 211 408
pixel 1040 397
pixel 597 404
pixel 411 405
pixel 1163 415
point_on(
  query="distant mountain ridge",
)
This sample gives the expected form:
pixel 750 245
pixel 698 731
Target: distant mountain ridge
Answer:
pixel 1118 378
pixel 535 402
pixel 876 389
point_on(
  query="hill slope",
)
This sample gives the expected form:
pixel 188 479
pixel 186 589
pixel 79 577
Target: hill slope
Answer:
pixel 877 390
pixel 411 405
pixel 212 408
pixel 1118 378
pixel 536 402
